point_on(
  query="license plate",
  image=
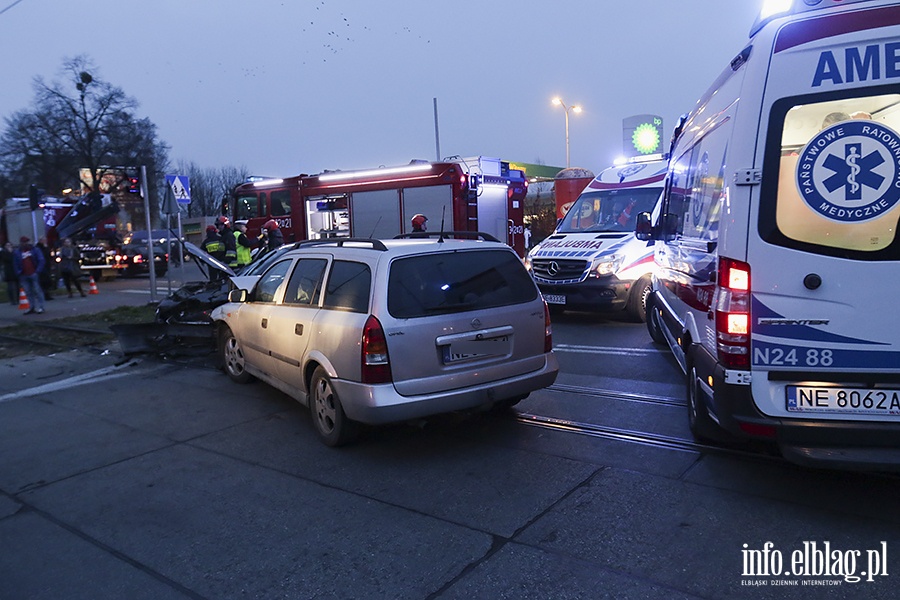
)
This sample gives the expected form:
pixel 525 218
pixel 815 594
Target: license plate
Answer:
pixel 555 298
pixel 843 400
pixel 472 349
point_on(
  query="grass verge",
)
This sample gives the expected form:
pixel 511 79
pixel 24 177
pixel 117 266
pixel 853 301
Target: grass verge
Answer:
pixel 16 340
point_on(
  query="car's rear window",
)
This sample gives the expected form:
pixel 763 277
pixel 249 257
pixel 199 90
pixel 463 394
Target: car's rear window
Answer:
pixel 452 282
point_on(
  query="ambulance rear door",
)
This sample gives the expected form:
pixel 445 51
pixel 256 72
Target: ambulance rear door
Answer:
pixel 825 339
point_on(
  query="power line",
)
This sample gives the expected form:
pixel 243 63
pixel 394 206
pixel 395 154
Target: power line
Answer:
pixel 9 7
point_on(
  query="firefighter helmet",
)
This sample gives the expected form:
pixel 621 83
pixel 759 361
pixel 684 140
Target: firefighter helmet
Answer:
pixel 418 222
pixel 270 225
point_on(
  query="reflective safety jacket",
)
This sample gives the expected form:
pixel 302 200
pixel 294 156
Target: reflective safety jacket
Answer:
pixel 242 246
pixel 230 246
pixel 213 246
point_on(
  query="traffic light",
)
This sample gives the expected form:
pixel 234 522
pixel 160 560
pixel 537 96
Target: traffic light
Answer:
pixel 34 198
pixel 134 185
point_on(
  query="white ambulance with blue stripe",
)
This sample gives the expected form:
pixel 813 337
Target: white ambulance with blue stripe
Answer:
pixel 776 241
pixel 592 261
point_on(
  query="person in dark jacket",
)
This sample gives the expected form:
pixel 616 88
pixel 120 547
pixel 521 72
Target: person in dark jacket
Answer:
pixel 9 273
pixel 29 262
pixel 272 235
pixel 213 245
pixel 227 234
pixel 48 275
pixel 70 266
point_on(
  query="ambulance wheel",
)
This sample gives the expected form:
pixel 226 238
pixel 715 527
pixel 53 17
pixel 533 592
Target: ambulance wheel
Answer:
pixel 654 322
pixel 703 428
pixel 637 300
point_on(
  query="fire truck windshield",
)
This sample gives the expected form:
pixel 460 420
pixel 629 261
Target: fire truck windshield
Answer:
pixel 246 207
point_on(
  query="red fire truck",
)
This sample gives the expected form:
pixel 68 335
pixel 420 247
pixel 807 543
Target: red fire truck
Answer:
pixel 89 220
pixel 477 194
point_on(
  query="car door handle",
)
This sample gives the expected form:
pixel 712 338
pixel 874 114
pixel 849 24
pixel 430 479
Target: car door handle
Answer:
pixel 265 323
pixel 298 328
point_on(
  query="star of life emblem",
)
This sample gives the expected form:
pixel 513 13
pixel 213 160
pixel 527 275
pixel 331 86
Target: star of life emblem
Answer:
pixel 850 172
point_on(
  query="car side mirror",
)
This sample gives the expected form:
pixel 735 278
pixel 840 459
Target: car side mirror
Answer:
pixel 643 228
pixel 237 295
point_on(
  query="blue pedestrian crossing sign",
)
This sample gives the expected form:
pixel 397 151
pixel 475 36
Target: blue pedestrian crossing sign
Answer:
pixel 181 188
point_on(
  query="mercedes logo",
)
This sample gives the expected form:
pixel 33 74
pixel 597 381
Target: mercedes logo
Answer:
pixel 553 268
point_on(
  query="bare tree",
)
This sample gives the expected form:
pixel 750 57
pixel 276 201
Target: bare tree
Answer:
pixel 80 123
pixel 209 186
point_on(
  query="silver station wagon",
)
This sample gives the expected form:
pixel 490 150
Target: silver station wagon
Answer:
pixel 380 331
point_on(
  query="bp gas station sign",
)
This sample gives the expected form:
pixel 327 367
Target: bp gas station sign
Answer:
pixel 642 135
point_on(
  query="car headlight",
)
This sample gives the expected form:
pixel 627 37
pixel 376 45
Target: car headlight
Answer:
pixel 606 265
pixel 528 262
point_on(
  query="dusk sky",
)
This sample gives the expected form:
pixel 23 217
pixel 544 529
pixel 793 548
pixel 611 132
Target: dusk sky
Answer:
pixel 289 86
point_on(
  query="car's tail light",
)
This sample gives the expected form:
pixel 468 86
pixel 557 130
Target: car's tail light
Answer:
pixel 376 368
pixel 548 329
pixel 733 314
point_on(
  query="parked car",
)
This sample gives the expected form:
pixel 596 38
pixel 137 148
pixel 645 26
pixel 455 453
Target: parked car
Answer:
pixel 135 253
pixel 370 331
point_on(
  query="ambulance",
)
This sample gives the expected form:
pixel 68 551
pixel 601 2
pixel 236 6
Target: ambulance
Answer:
pixel 592 261
pixel 776 239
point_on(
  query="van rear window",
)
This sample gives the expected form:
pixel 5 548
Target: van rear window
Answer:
pixel 453 282
pixel 832 175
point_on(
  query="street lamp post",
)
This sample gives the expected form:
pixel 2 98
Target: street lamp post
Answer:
pixel 576 109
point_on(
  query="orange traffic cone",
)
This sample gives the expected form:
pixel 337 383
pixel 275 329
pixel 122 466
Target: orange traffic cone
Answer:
pixel 23 300
pixel 93 287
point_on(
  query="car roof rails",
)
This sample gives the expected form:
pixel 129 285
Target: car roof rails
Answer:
pixel 460 235
pixel 340 242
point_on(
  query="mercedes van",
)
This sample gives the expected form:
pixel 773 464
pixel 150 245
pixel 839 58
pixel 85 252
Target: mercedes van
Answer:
pixel 776 240
pixel 592 261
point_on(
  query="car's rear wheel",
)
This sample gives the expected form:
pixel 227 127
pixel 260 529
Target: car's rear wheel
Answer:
pixel 328 417
pixel 232 357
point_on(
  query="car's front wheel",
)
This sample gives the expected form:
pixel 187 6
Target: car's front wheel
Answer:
pixel 231 355
pixel 636 306
pixel 328 417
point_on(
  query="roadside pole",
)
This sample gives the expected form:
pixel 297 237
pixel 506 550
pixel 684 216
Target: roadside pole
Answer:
pixel 145 193
pixel 169 206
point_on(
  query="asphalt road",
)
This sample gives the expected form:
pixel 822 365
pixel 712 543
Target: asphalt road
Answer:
pixel 152 478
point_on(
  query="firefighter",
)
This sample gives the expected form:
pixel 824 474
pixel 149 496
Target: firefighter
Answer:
pixel 242 244
pixel 213 245
pixel 228 240
pixel 272 235
pixel 418 223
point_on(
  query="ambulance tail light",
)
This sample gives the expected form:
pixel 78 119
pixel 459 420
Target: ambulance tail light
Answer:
pixel 732 308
